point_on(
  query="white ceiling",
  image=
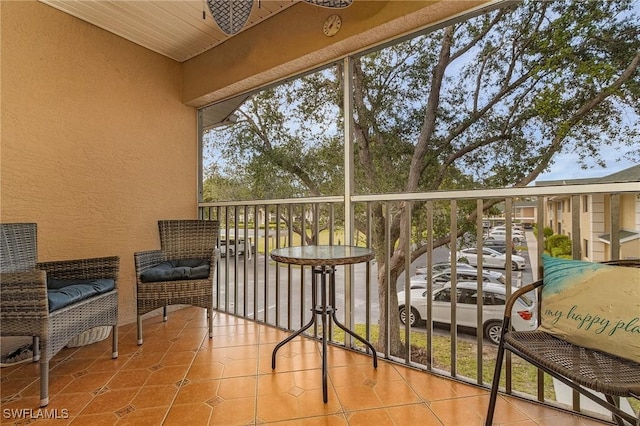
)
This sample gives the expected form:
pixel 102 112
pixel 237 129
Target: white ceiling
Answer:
pixel 173 28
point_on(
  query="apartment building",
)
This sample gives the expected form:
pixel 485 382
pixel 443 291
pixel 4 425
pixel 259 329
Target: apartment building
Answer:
pixel 596 214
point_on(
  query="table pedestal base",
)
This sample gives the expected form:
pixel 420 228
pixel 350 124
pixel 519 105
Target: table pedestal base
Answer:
pixel 325 311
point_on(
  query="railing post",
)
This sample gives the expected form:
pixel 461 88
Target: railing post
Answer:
pixel 348 192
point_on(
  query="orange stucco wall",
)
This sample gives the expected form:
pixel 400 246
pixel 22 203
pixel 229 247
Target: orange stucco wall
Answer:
pixel 96 144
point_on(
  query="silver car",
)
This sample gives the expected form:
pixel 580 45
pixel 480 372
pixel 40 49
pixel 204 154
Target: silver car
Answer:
pixel 443 266
pixel 444 277
pixel 491 258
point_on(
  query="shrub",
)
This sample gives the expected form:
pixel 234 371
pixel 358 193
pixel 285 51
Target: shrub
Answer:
pixel 558 245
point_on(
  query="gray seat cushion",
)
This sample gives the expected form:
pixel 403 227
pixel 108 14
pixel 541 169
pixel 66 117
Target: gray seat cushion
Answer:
pixel 173 270
pixel 61 293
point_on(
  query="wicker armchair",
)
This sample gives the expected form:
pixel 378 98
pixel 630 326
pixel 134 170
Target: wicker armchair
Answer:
pixel 580 368
pixel 24 303
pixel 180 240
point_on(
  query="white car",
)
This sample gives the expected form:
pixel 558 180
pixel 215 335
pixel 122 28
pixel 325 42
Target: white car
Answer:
pixel 501 235
pixel 490 258
pixel 443 266
pixel 514 229
pixel 444 277
pixel 493 301
pixel 231 246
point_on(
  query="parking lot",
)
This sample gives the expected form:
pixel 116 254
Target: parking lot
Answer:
pixel 235 266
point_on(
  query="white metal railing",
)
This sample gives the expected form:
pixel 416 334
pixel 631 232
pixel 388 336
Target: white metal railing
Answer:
pixel 250 285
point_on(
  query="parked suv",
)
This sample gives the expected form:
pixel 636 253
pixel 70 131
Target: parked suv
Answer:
pixel 466 296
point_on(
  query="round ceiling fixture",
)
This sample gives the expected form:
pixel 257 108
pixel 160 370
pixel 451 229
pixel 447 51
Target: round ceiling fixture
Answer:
pixel 333 4
pixel 230 15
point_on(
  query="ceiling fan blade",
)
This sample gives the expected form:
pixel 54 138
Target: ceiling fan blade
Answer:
pixel 230 15
pixel 333 4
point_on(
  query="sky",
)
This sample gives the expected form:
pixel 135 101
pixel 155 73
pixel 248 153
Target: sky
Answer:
pixel 566 166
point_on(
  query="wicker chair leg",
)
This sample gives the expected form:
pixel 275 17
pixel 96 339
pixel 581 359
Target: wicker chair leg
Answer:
pixel 114 342
pixel 496 377
pixel 210 318
pixel 36 349
pixel 139 329
pixel 44 381
pixel 164 313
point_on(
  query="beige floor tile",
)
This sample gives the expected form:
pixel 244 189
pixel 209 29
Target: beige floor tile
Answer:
pixel 364 373
pixel 161 375
pixel 209 371
pixel 155 396
pixel 109 401
pixel 330 420
pixel 143 360
pixel 358 397
pixel 475 411
pixel 190 414
pixel 238 411
pixel 291 361
pixel 178 358
pixel 198 392
pixel 104 364
pixel 237 368
pixel 272 408
pixel 161 346
pixel 238 387
pixel 89 382
pixel 71 366
pixel 378 417
pixel 180 376
pixel 14 385
pixel 412 414
pixel 74 403
pixel 434 388
pixel 129 378
pixel 102 419
pixel 144 417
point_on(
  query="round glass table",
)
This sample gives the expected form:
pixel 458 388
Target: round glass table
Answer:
pixel 323 259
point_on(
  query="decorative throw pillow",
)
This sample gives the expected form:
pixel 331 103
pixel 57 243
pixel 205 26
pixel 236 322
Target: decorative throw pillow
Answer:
pixel 593 305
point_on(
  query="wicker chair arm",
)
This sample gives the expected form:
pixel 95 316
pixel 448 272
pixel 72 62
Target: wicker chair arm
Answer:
pixel 83 269
pixel 23 295
pixel 147 259
pixel 515 295
pixel 215 257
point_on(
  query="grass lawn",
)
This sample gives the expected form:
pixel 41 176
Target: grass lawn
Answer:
pixel 524 376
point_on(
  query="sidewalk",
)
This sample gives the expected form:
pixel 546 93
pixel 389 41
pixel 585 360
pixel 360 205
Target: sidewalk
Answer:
pixel 532 248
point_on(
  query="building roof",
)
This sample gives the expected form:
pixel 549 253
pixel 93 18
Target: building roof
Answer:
pixel 632 174
pixel 526 203
pixel 623 236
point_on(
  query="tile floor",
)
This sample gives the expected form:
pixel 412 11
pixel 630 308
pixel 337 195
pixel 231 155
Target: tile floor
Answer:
pixel 180 377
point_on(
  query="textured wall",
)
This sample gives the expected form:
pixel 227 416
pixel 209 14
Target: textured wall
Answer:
pixel 96 144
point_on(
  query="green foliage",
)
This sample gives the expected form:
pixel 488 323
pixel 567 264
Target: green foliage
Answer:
pixel 558 245
pixel 485 102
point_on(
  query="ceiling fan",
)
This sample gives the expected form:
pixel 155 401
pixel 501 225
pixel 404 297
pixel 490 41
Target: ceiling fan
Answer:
pixel 232 15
